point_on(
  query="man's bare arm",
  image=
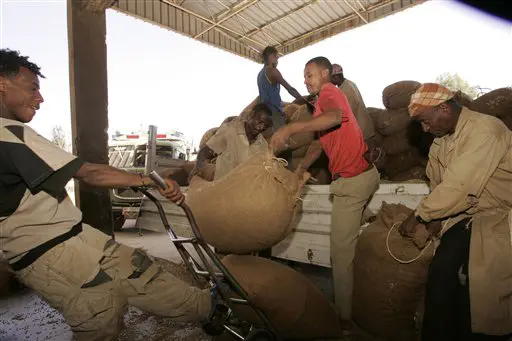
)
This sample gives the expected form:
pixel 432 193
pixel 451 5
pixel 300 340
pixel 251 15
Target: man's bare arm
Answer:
pixel 99 175
pixel 276 77
pixel 329 119
pixel 313 153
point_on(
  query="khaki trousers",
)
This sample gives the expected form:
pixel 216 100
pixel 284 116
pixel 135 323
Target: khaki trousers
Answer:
pixel 91 280
pixel 350 196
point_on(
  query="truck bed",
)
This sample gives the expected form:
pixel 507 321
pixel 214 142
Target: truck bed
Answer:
pixel 309 240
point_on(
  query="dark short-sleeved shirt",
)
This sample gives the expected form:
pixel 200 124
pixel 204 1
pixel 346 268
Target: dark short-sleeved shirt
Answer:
pixel 34 204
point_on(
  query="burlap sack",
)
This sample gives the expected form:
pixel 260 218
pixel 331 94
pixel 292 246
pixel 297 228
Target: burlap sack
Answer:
pixel 249 209
pixel 398 95
pixel 389 122
pixel 229 119
pixel 294 306
pixel 297 141
pixel 396 164
pixel 206 136
pixel 496 103
pixel 414 173
pixel 396 143
pixel 508 121
pixel 462 98
pixel 289 110
pixel 387 293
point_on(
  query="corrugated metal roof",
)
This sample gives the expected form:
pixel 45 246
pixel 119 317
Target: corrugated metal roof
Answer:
pixel 245 27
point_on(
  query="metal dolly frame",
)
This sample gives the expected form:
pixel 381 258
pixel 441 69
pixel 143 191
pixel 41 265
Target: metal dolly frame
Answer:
pixel 267 332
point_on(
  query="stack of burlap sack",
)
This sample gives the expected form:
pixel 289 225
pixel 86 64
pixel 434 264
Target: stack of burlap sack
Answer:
pixel 390 274
pixel 249 210
pixel 496 103
pixel 404 145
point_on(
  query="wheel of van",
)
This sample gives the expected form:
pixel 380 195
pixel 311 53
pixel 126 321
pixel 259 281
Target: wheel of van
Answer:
pixel 119 220
pixel 260 335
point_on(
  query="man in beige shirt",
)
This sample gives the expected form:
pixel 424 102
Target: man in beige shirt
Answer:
pixel 236 141
pixel 80 271
pixel 355 100
pixel 469 289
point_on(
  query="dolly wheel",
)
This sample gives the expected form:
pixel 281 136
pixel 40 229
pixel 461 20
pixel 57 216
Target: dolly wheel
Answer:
pixel 260 335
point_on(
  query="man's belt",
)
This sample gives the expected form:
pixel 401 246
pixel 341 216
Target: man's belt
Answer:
pixel 34 254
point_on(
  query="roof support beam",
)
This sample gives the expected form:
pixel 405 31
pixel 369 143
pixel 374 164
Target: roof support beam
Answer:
pixel 209 21
pixel 261 28
pixel 248 4
pixel 356 11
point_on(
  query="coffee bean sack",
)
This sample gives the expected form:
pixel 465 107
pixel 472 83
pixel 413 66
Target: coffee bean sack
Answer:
pixel 462 98
pixel 294 306
pixel 396 143
pixel 387 293
pixel 389 122
pixel 496 103
pixel 249 209
pixel 301 114
pixel 400 163
pixel 206 136
pixel 398 95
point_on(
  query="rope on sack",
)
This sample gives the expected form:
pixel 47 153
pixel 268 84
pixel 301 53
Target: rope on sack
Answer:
pixel 378 157
pixel 398 259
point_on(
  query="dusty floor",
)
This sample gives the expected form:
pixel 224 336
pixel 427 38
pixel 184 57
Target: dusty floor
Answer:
pixel 24 316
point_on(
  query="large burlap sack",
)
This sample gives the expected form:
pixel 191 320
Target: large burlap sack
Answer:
pixel 249 209
pixel 302 114
pixel 389 122
pixel 399 163
pixel 387 292
pixel 508 121
pixel 398 95
pixel 229 119
pixel 496 103
pixel 206 136
pixel 294 306
pixel 396 143
pixel 289 110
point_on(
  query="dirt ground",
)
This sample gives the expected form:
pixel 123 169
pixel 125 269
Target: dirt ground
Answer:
pixel 25 316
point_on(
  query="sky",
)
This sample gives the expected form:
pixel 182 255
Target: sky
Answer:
pixel 159 77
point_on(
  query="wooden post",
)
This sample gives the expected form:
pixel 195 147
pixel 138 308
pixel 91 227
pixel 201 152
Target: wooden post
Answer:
pixel 89 102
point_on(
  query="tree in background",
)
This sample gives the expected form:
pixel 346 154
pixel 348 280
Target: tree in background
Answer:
pixel 59 137
pixel 454 82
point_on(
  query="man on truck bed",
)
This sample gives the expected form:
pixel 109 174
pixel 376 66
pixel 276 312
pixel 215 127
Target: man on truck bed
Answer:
pixel 79 270
pixel 355 100
pixel 235 141
pixel 469 288
pixel 354 179
pixel 269 86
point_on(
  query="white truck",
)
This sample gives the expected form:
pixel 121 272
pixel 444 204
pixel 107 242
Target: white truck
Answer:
pixel 309 240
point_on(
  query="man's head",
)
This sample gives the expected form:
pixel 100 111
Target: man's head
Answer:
pixel 434 107
pixel 19 87
pixel 270 56
pixel 259 120
pixel 337 75
pixel 317 73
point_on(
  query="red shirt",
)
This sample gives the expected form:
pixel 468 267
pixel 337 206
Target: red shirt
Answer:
pixel 344 145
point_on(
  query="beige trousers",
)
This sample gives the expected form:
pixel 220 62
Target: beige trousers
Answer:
pixel 350 196
pixel 91 280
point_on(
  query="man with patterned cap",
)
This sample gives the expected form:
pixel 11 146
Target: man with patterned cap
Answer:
pixel 469 288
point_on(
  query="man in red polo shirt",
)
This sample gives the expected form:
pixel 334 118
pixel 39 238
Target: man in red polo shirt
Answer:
pixel 354 179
